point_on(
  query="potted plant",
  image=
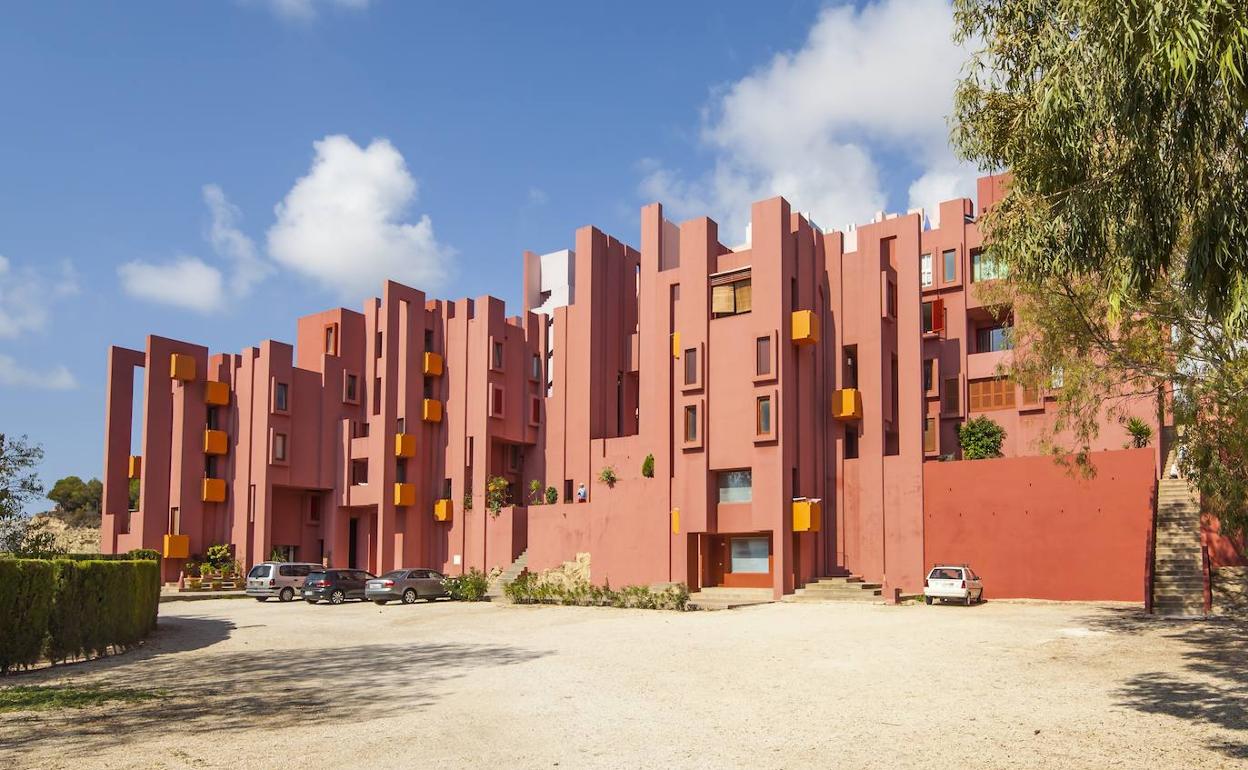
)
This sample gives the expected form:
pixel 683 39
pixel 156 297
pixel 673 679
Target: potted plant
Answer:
pixel 193 581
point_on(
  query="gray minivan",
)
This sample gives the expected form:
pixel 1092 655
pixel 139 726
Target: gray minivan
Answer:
pixel 276 578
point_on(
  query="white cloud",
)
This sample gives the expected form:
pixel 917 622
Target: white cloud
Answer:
pixel 231 243
pixel 25 294
pixel 306 10
pixel 13 375
pixel 810 124
pixel 343 223
pixel 186 282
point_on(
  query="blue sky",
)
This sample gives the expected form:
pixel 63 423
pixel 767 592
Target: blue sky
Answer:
pixel 146 147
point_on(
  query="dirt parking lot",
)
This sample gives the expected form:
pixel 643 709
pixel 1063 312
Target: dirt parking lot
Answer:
pixel 249 685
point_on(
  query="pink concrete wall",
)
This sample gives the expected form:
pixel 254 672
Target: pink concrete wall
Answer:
pixel 1032 530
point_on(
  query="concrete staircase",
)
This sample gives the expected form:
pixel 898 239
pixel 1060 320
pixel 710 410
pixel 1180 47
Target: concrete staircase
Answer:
pixel 495 591
pixel 1178 577
pixel 841 588
pixel 721 598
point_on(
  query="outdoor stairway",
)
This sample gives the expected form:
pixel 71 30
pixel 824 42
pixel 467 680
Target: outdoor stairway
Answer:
pixel 843 588
pixel 722 598
pixel 495 591
pixel 1178 575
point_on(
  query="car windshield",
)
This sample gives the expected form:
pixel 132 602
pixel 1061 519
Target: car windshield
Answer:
pixel 395 575
pixel 945 573
pixel 260 571
pixel 314 576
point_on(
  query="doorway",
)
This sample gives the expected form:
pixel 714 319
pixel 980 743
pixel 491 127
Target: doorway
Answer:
pixel 353 542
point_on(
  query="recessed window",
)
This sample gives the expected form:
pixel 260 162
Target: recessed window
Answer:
pixel 279 447
pixel 990 339
pixel 1058 377
pixel 925 270
pixel 428 339
pixel 990 394
pixel 211 467
pixel 950 261
pixel 400 425
pixel 359 472
pixel 929 374
pixel 400 471
pixel 691 423
pixel 351 390
pixel 849 355
pixel 691 366
pixel 933 316
pixel 949 403
pixel 985 267
pixel 731 294
pixel 890 295
pixel 331 340
pixel 314 509
pixel 377 345
pixel 496 401
pixel 515 457
pixel 762 416
pixel 535 411
pixel 535 367
pixel 281 397
pixel 213 418
pixel 929 435
pixel 735 486
pixel 851 442
pixel 762 356
pixel 496 357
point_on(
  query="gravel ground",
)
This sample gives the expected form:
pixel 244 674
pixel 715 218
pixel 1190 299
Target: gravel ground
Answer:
pixel 1005 684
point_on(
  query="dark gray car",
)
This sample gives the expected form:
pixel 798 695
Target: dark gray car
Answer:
pixel 405 585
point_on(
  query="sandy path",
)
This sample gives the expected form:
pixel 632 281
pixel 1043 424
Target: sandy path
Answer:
pixel 834 685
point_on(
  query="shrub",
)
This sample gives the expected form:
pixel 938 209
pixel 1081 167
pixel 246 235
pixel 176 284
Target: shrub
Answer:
pixel 467 588
pixel 552 495
pixel 1141 433
pixel 647 466
pixel 980 438
pixel 218 556
pixel 535 492
pixel 26 587
pixel 607 476
pixel 150 554
pixel 531 589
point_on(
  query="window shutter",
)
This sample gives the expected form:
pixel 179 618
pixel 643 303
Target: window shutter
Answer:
pixel 938 315
pixel 743 297
pixel 722 299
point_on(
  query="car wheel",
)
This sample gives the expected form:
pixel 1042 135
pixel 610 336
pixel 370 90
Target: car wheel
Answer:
pixel 968 600
pixel 410 596
pixel 337 597
pixel 286 595
pixel 928 599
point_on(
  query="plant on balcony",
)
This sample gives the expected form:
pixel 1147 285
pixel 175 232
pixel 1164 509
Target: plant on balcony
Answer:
pixel 607 476
pixel 647 466
pixel 535 492
pixel 467 499
pixel 552 495
pixel 1140 433
pixel 980 438
pixel 497 495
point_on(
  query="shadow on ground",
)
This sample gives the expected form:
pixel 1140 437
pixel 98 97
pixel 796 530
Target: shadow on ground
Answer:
pixel 229 690
pixel 1212 686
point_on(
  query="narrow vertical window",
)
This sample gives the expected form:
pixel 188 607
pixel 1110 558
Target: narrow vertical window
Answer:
pixel 925 270
pixel 691 366
pixel 279 447
pixel 762 416
pixel 762 356
pixel 691 423
pixel 950 259
pixel 496 360
pixel 929 435
pixel 331 340
pixel 281 397
pixel 352 390
pixel 950 401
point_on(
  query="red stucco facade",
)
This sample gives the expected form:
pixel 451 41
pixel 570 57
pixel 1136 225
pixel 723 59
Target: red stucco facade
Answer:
pixel 797 367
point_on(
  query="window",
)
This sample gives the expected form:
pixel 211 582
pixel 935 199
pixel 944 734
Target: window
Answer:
pixel 930 377
pixel 377 345
pixel 213 419
pixel 400 425
pixel 925 270
pixel 496 401
pixel 985 267
pixel 933 316
pixel 279 447
pixel 949 397
pixel 314 509
pixel 210 467
pixel 691 366
pixel 281 397
pixel 929 435
pixel 515 457
pixel 762 356
pixel 890 299
pixel 750 554
pixel 428 388
pixel 428 339
pixel 1031 395
pixel 535 411
pixel 735 486
pixel 567 490
pixel 691 423
pixel 731 294
pixel 359 429
pixel 762 416
pixel 496 356
pixel 359 472
pixel 950 261
pixel 989 394
pixel 851 442
pixel 989 339
pixel 331 340
pixel 1058 378
pixel 400 471
pixel 535 368
pixel 351 391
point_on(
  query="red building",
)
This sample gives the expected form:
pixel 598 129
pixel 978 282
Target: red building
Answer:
pixel 788 391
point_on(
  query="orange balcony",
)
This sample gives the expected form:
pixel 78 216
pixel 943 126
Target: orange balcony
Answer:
pixel 432 410
pixel 136 466
pixel 847 404
pixel 675 344
pixel 404 494
pixel 216 442
pixel 443 510
pixel 181 367
pixel 213 491
pixel 216 393
pixel 807 515
pixel 675 521
pixel 177 546
pixel 405 445
pixel 433 364
pixel 805 327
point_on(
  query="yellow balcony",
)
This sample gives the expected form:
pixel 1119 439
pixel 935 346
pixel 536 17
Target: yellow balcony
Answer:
pixel 216 442
pixel 136 466
pixel 807 515
pixel 675 344
pixel 847 404
pixel 675 521
pixel 214 491
pixel 443 510
pixel 404 494
pixel 216 393
pixel 181 367
pixel 177 546
pixel 432 410
pixel 433 364
pixel 805 327
pixel 405 445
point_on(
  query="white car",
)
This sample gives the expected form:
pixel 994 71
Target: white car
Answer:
pixel 953 581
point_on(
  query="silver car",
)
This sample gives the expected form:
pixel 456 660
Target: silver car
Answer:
pixel 280 579
pixel 405 585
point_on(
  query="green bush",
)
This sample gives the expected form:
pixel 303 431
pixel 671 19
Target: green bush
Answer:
pixel 218 556
pixel 647 467
pixel 467 588
pixel 101 604
pixel 980 438
pixel 25 607
pixel 552 495
pixel 529 589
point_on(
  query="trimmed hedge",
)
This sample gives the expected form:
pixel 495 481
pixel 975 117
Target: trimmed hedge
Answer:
pixel 66 608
